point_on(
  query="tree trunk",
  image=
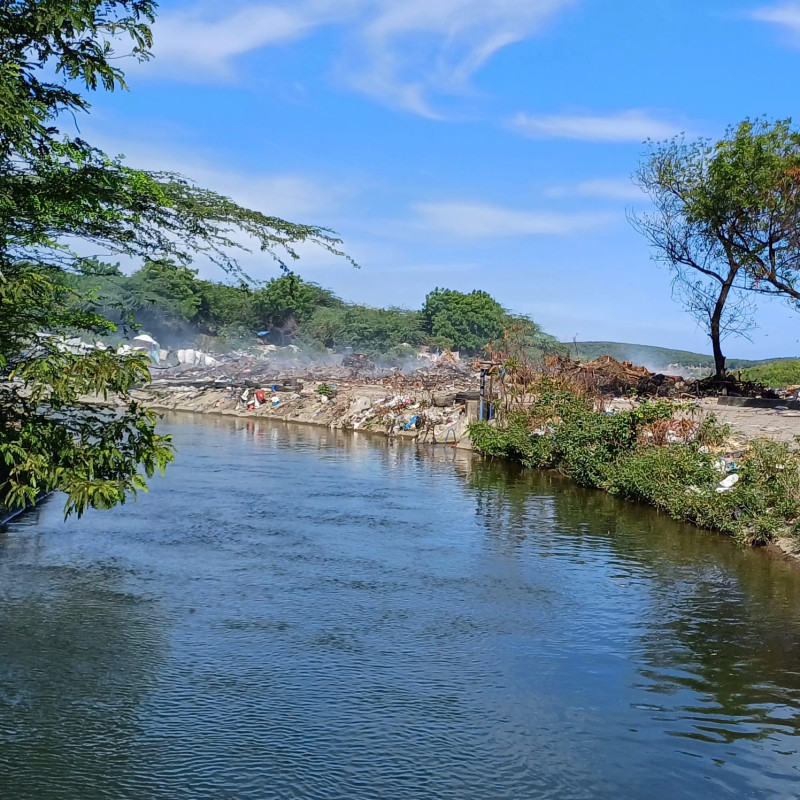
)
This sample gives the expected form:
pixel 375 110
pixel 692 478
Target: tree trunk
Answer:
pixel 715 331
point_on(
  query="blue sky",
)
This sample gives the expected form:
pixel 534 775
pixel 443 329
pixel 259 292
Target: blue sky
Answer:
pixel 462 143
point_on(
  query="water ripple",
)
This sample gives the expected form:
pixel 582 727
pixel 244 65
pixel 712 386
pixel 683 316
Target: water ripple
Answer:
pixel 292 613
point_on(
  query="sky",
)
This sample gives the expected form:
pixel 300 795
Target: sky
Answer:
pixel 466 144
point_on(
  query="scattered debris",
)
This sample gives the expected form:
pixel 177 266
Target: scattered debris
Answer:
pixel 610 377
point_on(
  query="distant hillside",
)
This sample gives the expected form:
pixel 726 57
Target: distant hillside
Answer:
pixel 656 358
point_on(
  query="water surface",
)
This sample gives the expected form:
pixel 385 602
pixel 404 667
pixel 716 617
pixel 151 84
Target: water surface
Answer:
pixel 295 613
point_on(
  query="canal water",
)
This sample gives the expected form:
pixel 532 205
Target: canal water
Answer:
pixel 296 613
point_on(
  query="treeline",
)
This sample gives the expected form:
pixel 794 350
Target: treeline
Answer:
pixel 169 301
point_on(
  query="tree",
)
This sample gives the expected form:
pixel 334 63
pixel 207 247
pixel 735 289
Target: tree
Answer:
pixel 286 302
pixel 327 325
pixel 523 340
pixel 376 331
pixel 57 191
pixel 168 287
pixel 726 221
pixel 461 321
pixel 227 311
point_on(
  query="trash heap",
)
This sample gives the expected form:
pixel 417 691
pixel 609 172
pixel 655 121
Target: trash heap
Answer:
pixel 613 378
pixel 394 414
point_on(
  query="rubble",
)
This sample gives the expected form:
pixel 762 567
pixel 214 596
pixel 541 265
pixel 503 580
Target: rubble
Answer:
pixel 428 403
pixel 610 377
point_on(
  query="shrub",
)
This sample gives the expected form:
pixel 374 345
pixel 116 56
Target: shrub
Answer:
pixel 663 476
pixel 712 432
pixel 625 454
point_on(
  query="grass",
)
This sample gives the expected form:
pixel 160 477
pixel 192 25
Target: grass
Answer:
pixel 777 374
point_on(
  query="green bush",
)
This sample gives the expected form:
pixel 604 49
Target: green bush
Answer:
pixel 514 441
pixel 661 476
pixel 610 451
pixel 712 432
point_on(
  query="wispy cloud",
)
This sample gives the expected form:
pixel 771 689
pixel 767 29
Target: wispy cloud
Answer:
pixel 293 196
pixel 194 45
pixel 602 188
pixel 617 189
pixel 408 52
pixel 625 126
pixel 401 53
pixel 482 220
pixel 611 189
pixel 786 15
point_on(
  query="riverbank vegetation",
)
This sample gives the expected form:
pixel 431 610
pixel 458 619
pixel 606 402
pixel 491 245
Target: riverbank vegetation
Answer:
pixel 656 453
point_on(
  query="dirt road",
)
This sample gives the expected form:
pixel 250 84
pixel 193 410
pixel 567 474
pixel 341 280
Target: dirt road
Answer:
pixel 751 423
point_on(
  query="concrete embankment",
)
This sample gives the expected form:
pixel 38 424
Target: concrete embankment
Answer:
pixel 430 417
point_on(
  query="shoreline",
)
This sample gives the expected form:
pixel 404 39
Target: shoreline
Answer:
pixel 364 408
pixel 367 408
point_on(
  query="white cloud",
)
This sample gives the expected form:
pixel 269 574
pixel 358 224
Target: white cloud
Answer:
pixel 417 48
pixel 481 220
pixel 626 126
pixel 610 189
pixel 191 44
pixel 787 15
pixel 295 197
pixel 603 188
pixel 401 53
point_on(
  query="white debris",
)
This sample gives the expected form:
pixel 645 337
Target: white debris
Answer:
pixel 726 484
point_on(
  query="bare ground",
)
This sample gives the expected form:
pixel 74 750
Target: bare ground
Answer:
pixel 753 423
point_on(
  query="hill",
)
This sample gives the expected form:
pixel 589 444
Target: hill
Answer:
pixel 657 359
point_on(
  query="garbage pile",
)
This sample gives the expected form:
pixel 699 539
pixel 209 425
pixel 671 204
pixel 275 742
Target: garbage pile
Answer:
pixel 610 377
pixel 441 374
pixel 733 387
pixel 245 369
pixel 358 362
pixel 400 413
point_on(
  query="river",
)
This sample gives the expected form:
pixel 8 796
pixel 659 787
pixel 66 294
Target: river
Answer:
pixel 297 613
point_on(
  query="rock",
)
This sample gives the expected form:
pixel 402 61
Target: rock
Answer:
pixel 442 399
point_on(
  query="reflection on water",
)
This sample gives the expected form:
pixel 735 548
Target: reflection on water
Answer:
pixel 294 612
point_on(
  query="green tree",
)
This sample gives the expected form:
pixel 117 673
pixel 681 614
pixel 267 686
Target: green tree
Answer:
pixel 227 311
pixel 726 221
pixel 377 330
pixel 285 303
pixel 55 191
pixel 327 326
pixel 169 287
pixel 467 322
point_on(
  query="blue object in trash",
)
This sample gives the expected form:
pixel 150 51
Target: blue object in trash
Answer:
pixel 411 423
pixel 263 333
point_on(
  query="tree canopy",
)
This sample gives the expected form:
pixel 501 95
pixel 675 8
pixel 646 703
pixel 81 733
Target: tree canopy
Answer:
pixel 462 321
pixel 476 322
pixel 726 221
pixel 58 196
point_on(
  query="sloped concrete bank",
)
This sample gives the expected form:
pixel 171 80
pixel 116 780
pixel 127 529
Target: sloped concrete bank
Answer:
pixel 427 417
